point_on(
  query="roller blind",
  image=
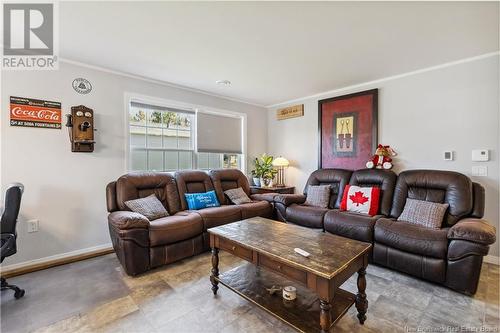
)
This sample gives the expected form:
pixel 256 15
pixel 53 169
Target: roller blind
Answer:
pixel 218 134
pixel 159 108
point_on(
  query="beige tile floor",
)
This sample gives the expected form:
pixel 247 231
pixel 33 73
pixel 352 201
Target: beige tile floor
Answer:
pixel 96 296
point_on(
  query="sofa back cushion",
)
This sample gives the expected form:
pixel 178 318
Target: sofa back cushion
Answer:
pixel 449 187
pixel 142 184
pixel 228 179
pixel 385 180
pixel 336 178
pixel 192 181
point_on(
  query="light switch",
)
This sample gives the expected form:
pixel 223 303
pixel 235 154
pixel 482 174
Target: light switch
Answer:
pixel 480 171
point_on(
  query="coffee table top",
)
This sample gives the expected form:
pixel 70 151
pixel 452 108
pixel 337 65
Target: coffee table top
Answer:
pixel 330 254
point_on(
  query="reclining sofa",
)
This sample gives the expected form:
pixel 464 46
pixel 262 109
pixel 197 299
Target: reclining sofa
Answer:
pixel 141 245
pixel 451 255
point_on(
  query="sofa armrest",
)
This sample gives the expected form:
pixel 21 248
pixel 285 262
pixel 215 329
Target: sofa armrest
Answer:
pixel 123 220
pixel 269 197
pixel 474 230
pixel 288 199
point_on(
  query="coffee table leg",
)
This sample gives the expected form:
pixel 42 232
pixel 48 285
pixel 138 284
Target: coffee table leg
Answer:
pixel 215 270
pixel 361 301
pixel 325 316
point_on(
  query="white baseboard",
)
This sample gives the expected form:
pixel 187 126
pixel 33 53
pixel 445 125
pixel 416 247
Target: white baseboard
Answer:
pixel 492 260
pixel 55 258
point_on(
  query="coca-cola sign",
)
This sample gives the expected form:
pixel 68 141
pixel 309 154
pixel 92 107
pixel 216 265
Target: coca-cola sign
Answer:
pixel 28 112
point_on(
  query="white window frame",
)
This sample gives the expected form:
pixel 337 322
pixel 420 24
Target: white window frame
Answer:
pixel 145 99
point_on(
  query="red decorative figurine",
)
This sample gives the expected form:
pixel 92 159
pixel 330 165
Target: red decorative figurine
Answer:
pixel 382 158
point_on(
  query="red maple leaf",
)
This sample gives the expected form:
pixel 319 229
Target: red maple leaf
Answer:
pixel 358 198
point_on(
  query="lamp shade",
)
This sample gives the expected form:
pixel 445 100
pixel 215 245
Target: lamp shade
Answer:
pixel 281 162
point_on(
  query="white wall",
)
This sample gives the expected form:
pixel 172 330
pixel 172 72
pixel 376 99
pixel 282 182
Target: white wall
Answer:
pixel 421 115
pixel 65 190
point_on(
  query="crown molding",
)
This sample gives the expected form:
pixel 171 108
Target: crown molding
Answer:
pixel 389 78
pixel 150 80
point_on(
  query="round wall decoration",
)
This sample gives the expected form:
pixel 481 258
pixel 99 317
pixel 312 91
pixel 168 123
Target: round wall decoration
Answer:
pixel 82 86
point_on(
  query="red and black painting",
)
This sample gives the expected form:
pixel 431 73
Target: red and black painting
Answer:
pixel 348 130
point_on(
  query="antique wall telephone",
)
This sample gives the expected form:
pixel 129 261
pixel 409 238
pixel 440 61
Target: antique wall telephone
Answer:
pixel 80 125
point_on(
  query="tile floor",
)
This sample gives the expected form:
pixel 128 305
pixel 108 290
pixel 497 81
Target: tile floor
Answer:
pixel 95 295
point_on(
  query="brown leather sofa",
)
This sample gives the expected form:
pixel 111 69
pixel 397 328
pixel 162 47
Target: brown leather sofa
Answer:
pixel 141 244
pixel 451 256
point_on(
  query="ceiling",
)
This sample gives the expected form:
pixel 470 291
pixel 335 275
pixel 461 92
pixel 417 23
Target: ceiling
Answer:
pixel 274 51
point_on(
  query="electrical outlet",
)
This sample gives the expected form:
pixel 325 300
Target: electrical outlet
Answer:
pixel 32 225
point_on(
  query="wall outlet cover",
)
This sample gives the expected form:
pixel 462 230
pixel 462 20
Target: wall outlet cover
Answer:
pixel 32 225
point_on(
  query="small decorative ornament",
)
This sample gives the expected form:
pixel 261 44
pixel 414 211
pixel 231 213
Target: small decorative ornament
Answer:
pixel 289 293
pixel 82 86
pixel 382 158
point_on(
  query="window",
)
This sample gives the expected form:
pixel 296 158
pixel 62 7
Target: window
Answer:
pixel 161 139
pixel 164 139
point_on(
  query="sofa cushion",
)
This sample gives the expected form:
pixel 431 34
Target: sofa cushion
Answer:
pixel 362 200
pixel 197 201
pixel 141 184
pixel 336 178
pixel 256 208
pixel 226 179
pixel 385 180
pixel 423 213
pixel 412 238
pixel 149 206
pixel 318 196
pixel 215 216
pixel 175 228
pixel 237 196
pixel 308 216
pixel 192 181
pixel 350 225
pixel 438 186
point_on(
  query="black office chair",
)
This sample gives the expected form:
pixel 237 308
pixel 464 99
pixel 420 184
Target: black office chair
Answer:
pixel 8 233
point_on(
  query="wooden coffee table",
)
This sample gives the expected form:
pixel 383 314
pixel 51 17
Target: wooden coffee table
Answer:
pixel 268 246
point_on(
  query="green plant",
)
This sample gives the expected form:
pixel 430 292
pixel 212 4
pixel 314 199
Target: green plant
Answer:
pixel 264 167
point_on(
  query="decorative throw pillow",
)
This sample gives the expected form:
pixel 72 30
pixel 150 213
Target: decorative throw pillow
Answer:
pixel 318 196
pixel 362 200
pixel 424 213
pixel 237 196
pixel 197 201
pixel 149 206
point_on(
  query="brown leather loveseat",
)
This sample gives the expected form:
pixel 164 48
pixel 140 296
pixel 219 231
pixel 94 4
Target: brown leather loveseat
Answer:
pixel 141 244
pixel 451 255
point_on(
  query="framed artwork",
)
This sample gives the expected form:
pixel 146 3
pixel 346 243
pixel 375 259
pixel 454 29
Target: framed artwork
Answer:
pixel 348 130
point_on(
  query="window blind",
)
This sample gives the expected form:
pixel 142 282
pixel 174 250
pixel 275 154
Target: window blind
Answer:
pixel 159 108
pixel 219 134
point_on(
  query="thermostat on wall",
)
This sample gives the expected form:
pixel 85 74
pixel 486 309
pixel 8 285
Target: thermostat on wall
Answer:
pixel 448 155
pixel 480 155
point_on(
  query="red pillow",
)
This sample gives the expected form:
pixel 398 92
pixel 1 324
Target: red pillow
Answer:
pixel 363 200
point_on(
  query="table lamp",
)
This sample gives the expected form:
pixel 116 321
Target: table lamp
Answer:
pixel 280 163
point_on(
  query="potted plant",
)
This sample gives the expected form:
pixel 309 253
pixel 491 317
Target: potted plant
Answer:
pixel 264 172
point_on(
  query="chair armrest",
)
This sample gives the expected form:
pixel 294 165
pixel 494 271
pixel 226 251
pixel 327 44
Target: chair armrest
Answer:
pixel 288 199
pixel 474 230
pixel 124 220
pixel 269 197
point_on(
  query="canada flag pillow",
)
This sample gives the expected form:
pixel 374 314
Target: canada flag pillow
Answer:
pixel 362 200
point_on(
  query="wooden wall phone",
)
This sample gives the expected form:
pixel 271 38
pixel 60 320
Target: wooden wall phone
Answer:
pixel 80 125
